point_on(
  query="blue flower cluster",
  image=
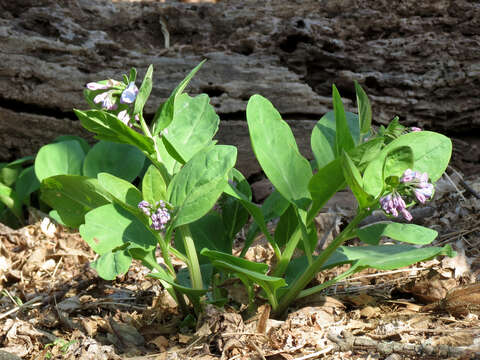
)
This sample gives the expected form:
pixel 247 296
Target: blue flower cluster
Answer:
pixel 413 184
pixel 159 214
pixel 113 90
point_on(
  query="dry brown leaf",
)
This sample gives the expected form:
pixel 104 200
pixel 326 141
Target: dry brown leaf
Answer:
pixel 35 260
pixel 126 333
pixel 161 342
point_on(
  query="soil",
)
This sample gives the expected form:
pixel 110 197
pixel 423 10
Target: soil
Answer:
pixel 53 306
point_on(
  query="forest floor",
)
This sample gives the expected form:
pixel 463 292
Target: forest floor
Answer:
pixel 53 306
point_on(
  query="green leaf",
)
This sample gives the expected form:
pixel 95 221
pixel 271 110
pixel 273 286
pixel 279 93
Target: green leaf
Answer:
pixel 183 289
pixel 112 264
pixel 431 154
pixel 133 75
pixel 234 214
pixel 83 143
pixel 247 271
pixel 110 226
pixel 364 110
pixel 254 211
pixel 397 161
pixel 26 184
pixel 9 174
pixel 354 180
pixel 123 191
pixel 277 152
pixel 286 226
pixel 381 257
pixel 234 260
pixel 391 257
pixel 183 275
pixel 122 160
pixel 144 91
pixel 198 185
pixel 409 233
pixel 10 199
pixel 72 196
pixel 207 232
pixel 323 137
pixel 366 152
pixel 153 186
pixel 164 115
pixel 343 137
pixel 168 161
pixel 109 127
pixel 194 125
pixel 268 283
pixel 323 185
pixel 21 161
pixel 62 158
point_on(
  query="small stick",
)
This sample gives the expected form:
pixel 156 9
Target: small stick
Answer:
pixel 166 34
pixel 31 303
pixel 318 353
pixel 455 186
pixel 467 187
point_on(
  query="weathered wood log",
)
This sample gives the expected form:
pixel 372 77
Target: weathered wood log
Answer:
pixel 418 60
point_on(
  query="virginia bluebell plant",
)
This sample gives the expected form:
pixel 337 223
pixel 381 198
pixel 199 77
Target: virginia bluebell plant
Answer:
pixel 191 202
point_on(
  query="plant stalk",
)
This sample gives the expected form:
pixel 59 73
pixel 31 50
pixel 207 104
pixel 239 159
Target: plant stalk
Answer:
pixel 193 264
pixel 312 270
pixel 165 253
pixel 287 253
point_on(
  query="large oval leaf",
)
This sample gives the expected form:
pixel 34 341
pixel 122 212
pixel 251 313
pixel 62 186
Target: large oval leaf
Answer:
pixel 277 152
pixel 194 125
pixel 431 154
pixel 324 134
pixel 26 184
pixel 153 185
pixel 110 226
pixel 112 264
pixel 62 158
pixel 73 196
pixel 123 191
pixel 122 160
pixel 409 233
pixel 198 185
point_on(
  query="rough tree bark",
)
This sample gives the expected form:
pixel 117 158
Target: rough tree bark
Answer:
pixel 416 59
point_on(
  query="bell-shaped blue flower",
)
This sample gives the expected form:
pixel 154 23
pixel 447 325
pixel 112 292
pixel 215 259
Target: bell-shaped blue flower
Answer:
pixel 129 94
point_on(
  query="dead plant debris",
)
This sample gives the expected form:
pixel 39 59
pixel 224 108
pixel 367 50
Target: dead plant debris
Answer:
pixel 53 306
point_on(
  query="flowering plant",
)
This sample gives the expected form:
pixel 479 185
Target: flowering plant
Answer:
pixel 187 174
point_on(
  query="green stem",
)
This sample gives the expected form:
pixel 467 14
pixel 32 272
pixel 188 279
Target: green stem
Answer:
pixel 144 126
pixel 326 284
pixel 193 264
pixel 306 244
pixel 164 247
pixel 178 254
pixel 288 253
pixel 312 270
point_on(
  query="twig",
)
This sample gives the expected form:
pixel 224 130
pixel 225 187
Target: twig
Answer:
pixel 166 34
pixel 350 342
pixel 257 349
pixel 31 303
pixel 136 307
pixel 455 186
pixel 318 353
pixel 467 187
